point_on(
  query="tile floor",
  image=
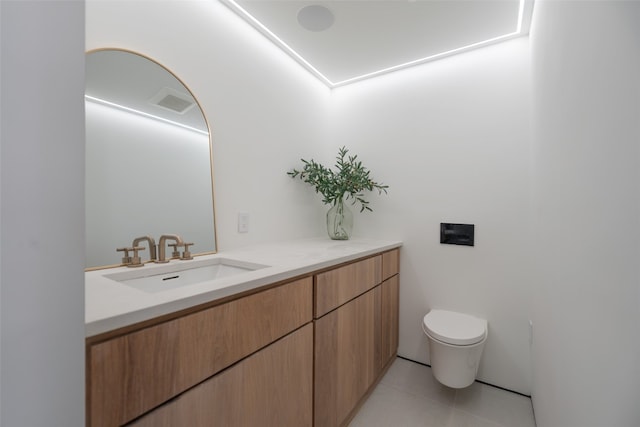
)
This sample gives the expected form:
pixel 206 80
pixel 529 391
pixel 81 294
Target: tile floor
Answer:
pixel 409 396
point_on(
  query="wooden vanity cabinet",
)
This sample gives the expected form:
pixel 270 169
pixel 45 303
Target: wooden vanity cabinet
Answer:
pixel 356 334
pixel 131 374
pixel 303 353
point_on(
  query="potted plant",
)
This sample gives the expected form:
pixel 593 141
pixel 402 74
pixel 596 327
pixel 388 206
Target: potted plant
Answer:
pixel 349 182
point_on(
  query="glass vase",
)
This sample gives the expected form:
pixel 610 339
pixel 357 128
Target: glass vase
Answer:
pixel 339 221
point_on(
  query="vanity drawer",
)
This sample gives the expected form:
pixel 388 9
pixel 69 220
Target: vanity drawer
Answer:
pixel 390 263
pixel 271 388
pixel 335 287
pixel 132 374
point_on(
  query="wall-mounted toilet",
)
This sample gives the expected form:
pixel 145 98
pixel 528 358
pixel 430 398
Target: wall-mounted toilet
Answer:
pixel 456 341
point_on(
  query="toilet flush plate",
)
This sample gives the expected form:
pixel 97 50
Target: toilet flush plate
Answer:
pixel 457 234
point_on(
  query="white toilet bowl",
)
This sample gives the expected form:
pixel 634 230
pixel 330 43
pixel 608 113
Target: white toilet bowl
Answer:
pixel 456 342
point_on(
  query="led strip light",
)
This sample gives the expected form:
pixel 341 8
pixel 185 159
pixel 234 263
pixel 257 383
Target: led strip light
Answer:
pixel 142 113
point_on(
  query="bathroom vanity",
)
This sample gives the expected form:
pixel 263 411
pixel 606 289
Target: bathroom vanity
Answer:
pixel 299 342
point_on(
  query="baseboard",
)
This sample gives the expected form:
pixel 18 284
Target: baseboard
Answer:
pixel 479 381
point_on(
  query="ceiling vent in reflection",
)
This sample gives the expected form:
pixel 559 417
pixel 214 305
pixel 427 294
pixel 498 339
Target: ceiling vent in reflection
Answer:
pixel 172 100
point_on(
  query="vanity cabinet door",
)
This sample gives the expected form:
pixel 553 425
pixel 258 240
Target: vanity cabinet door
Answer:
pixel 271 388
pixel 389 318
pixel 390 304
pixel 134 373
pixel 347 358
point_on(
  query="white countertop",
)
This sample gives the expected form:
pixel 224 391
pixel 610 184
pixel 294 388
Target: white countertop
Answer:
pixel 110 305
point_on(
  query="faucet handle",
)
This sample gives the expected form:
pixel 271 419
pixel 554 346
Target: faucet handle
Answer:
pixel 126 259
pixel 186 255
pixel 176 252
pixel 131 261
pixel 135 259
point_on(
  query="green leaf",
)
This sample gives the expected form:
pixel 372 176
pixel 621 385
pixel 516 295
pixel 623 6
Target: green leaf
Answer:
pixel 348 182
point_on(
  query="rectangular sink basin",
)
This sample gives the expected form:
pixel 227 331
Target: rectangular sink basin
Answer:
pixel 176 274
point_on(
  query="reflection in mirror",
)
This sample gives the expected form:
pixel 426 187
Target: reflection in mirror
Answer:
pixel 148 158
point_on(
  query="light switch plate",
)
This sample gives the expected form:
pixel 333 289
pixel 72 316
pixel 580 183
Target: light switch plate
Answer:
pixel 243 222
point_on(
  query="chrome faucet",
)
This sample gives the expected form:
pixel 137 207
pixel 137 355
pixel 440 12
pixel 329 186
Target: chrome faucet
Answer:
pixel 162 247
pixel 152 245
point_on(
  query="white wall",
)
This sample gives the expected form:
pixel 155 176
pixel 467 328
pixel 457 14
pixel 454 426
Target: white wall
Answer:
pixel 586 74
pixel 42 216
pixel 265 110
pixel 451 139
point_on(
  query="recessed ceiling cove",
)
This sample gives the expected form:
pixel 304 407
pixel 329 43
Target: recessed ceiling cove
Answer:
pixel 343 41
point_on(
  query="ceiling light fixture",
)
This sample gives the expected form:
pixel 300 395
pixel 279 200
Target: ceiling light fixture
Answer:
pixel 233 5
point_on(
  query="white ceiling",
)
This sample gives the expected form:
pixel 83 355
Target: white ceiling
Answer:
pixel 371 37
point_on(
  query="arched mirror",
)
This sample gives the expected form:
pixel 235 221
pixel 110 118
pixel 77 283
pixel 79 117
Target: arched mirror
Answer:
pixel 148 158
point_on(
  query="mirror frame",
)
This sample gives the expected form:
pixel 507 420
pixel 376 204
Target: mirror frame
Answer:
pixel 204 116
